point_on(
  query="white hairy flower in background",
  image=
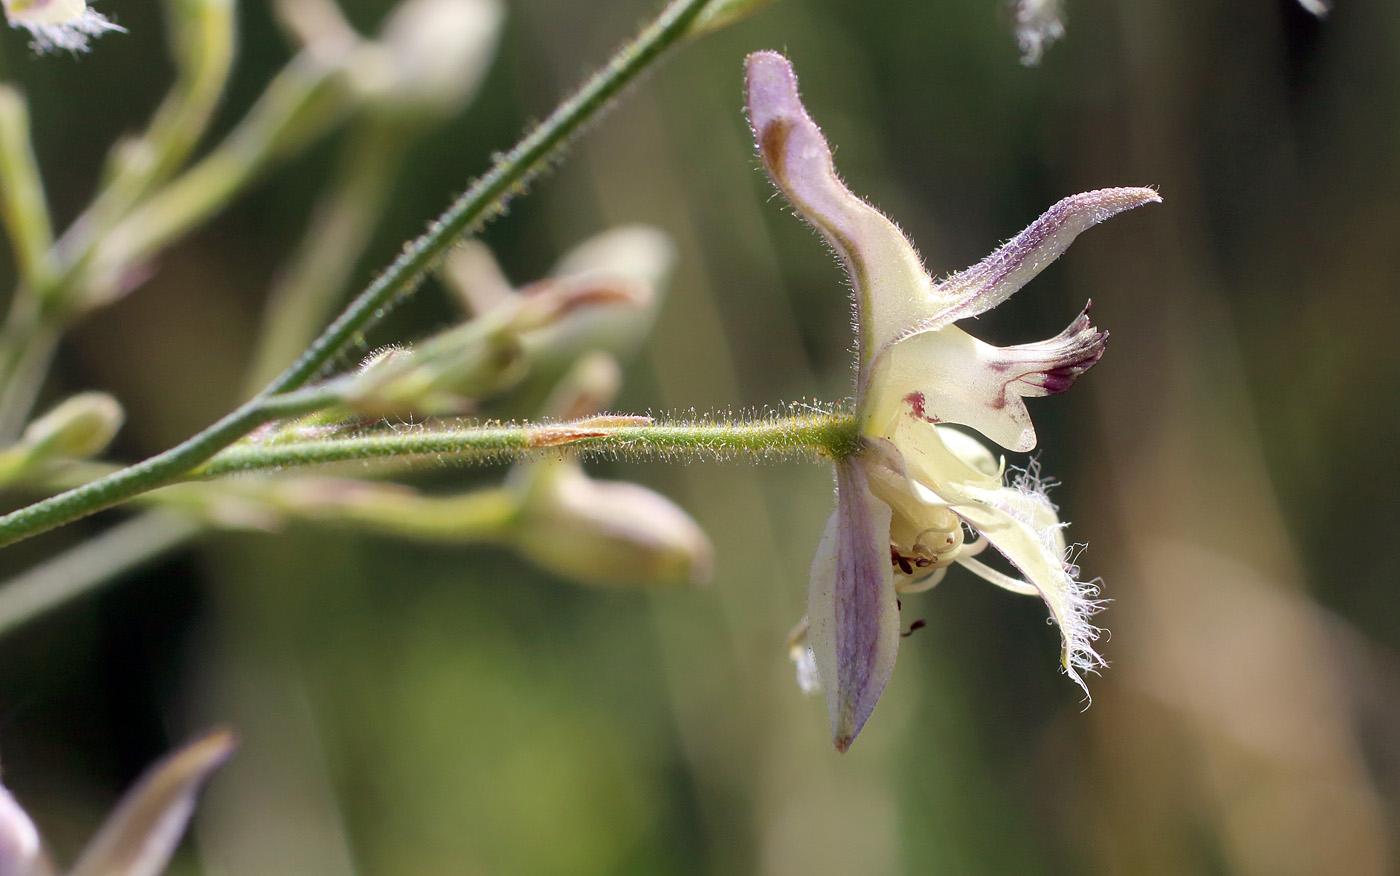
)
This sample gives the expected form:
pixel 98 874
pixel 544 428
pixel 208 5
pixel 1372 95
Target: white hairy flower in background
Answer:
pixel 906 498
pixel 58 24
pixel 1038 24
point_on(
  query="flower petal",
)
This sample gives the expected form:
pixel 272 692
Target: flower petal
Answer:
pixel 58 24
pixel 998 276
pixel 892 289
pixel 19 839
pixel 853 615
pixel 948 376
pixel 1021 522
pixel 139 836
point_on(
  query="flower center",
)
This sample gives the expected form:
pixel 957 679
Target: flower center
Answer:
pixel 918 548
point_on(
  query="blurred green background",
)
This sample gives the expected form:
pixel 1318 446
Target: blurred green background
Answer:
pixel 422 710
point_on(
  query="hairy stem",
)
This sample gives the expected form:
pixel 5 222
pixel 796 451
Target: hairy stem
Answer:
pixel 488 195
pixel 480 202
pixel 160 470
pixel 824 435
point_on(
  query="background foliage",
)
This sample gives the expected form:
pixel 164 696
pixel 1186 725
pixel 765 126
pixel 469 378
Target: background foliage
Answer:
pixel 410 709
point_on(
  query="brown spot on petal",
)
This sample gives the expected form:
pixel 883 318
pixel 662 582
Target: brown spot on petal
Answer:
pixel 772 145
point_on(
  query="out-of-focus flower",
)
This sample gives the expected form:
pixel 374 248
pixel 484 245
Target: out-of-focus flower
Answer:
pixel 906 498
pixel 77 428
pixel 140 835
pixel 606 533
pixel 1038 24
pixel 58 24
pixel 1316 7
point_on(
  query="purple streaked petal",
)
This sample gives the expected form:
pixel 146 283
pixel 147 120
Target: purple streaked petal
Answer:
pixel 892 289
pixel 998 276
pixel 851 606
pixel 139 836
pixel 948 376
pixel 19 839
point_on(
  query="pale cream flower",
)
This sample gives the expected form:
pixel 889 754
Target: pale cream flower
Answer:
pixel 907 499
pixel 58 24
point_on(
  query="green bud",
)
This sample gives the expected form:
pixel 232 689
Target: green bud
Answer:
pixel 609 533
pixel 78 428
pixel 432 56
pixel 450 371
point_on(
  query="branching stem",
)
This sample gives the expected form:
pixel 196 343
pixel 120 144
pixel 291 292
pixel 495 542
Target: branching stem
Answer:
pixel 481 201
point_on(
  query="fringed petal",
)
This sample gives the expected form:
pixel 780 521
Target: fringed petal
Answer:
pixel 1022 523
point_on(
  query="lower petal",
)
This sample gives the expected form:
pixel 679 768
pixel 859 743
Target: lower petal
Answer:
pixel 853 614
pixel 1021 523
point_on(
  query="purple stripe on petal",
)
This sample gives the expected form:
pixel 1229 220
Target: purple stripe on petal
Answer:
pixel 998 276
pixel 854 616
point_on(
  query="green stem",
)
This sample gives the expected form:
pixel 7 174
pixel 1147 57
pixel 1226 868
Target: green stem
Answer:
pixel 313 284
pixel 162 469
pixel 488 195
pixel 22 204
pixel 305 99
pixel 827 435
pixel 481 201
pixel 202 40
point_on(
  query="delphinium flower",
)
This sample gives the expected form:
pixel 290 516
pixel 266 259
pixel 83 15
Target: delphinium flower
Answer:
pixel 910 494
pixel 58 24
pixel 140 834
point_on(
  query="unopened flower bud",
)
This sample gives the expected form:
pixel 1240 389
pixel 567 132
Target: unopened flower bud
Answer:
pixel 19 840
pixel 434 54
pixel 609 533
pixel 57 24
pixel 635 258
pixel 588 387
pixel 78 428
pixel 448 372
pixel 444 374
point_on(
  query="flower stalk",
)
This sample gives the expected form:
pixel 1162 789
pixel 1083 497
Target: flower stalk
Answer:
pixel 482 201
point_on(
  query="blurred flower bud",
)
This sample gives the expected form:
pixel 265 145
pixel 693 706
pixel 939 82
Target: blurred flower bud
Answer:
pixel 141 833
pixel 632 262
pixel 57 24
pixel 432 55
pixel 724 13
pixel 449 371
pixel 79 427
pixel 638 258
pixel 139 836
pixel 202 35
pixel 444 375
pixel 588 388
pixel 19 840
pixel 609 533
pixel 1038 24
